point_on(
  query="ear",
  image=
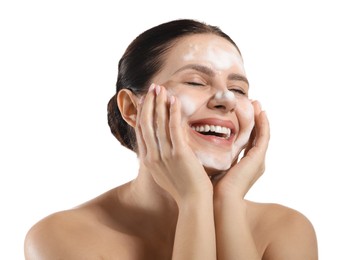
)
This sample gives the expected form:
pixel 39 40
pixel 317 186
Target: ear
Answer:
pixel 127 105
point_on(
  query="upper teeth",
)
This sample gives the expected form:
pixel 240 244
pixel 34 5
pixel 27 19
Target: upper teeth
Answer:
pixel 213 128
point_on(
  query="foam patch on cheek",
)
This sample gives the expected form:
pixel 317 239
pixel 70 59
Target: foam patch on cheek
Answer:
pixel 187 105
pixel 245 112
pixel 241 142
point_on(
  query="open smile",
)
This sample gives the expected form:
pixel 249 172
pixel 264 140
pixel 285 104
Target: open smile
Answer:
pixel 214 130
pixel 219 131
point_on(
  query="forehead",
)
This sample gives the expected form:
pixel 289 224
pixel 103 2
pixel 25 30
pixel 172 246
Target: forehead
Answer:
pixel 207 49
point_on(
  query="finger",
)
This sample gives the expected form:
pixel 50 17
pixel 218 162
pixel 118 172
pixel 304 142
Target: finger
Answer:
pixel 251 142
pixel 147 123
pixel 252 165
pixel 262 130
pixel 262 127
pixel 142 149
pixel 161 119
pixel 175 128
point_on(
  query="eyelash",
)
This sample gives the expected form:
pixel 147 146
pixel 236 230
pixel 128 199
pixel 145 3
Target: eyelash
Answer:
pixel 239 91
pixel 195 84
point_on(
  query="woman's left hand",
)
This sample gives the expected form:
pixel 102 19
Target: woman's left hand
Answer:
pixel 240 178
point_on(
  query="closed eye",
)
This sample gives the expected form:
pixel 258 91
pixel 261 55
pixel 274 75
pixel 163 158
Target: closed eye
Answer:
pixel 238 91
pixel 195 83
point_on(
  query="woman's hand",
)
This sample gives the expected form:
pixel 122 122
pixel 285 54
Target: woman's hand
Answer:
pixel 163 149
pixel 234 239
pixel 240 178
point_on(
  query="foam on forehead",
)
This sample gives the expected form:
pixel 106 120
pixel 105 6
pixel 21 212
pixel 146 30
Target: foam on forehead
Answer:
pixel 221 59
pixel 216 52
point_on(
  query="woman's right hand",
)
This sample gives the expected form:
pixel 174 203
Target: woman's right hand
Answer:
pixel 163 148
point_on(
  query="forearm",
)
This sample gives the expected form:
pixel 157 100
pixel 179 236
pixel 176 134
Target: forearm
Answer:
pixel 233 234
pixel 195 232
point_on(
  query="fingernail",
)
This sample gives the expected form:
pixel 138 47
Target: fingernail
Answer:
pixel 157 89
pixel 152 86
pixel 172 100
pixel 141 100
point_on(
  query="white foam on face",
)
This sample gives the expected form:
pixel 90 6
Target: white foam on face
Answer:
pixel 241 142
pixel 207 159
pixel 225 95
pixel 191 54
pixel 218 95
pixel 220 58
pixel 229 95
pixel 225 160
pixel 221 163
pixel 244 134
pixel 187 105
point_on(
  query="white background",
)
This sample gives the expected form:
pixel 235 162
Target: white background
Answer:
pixel 58 62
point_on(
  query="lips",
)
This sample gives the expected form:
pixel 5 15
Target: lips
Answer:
pixel 220 131
pixel 213 129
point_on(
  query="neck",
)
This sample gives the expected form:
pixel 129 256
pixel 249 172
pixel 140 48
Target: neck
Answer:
pixel 149 200
pixel 148 194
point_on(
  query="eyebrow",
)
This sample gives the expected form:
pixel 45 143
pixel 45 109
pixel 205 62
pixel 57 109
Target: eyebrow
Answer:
pixel 208 71
pixel 239 77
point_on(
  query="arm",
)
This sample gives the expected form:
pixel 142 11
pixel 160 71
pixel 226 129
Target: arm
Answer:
pixel 195 232
pixel 291 235
pixel 234 238
pixel 165 155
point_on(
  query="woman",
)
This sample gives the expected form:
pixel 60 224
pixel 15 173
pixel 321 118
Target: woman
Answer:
pixel 182 105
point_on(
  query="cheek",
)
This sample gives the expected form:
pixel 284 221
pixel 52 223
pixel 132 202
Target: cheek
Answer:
pixel 245 114
pixel 190 100
pixel 188 105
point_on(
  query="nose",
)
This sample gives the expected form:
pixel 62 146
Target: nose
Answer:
pixel 224 101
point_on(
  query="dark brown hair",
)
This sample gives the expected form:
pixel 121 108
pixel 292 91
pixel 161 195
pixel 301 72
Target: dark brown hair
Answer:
pixel 142 60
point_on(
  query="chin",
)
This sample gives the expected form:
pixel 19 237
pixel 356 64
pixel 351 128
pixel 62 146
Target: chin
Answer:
pixel 219 168
pixel 216 163
pixel 213 171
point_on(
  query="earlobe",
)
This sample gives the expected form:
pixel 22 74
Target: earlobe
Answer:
pixel 127 105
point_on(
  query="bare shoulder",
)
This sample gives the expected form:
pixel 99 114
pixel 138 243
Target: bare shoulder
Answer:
pixel 288 233
pixel 54 236
pixel 73 234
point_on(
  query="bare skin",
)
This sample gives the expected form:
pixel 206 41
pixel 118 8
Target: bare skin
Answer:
pixel 178 207
pixel 110 227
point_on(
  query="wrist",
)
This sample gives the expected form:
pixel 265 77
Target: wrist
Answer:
pixel 228 191
pixel 196 200
pixel 230 201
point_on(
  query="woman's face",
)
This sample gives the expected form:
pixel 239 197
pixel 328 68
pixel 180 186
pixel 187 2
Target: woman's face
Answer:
pixel 206 73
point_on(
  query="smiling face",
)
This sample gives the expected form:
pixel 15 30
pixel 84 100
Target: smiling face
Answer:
pixel 206 73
